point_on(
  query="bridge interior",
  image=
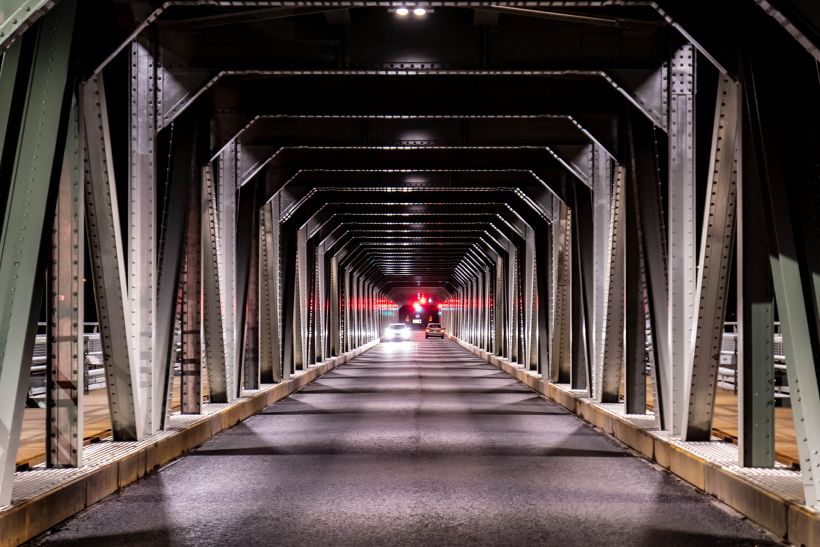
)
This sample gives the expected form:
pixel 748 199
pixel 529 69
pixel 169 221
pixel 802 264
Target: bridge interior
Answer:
pixel 613 201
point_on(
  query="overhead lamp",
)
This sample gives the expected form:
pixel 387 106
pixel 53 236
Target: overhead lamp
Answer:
pixel 420 12
pixel 402 12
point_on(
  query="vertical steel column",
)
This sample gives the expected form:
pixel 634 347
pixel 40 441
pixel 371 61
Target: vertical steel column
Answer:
pixel 191 288
pixel 42 111
pixel 636 309
pixel 643 175
pixel 682 229
pixel 250 348
pixel 182 169
pixel 561 335
pixel 335 311
pixel 108 264
pixel 212 299
pixel 64 382
pixel 141 219
pixel 794 269
pixel 580 357
pixel 268 322
pixel 542 254
pixel 228 182
pixel 608 388
pixel 715 259
pixel 512 287
pixel 321 305
pixel 289 284
pixel 246 244
pixel 487 300
pixel 500 308
pixel 530 346
pixel 755 305
pixel 348 316
pixel 302 299
pixel 583 230
pixel 602 227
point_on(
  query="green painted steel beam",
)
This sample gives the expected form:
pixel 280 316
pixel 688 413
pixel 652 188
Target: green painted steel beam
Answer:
pixel 32 183
pixel 17 15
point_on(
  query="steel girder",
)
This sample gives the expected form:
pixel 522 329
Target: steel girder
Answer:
pixel 182 170
pixel 715 255
pixel 108 264
pixel 42 85
pixel 265 139
pixel 213 293
pixel 785 180
pixel 142 221
pixel 64 329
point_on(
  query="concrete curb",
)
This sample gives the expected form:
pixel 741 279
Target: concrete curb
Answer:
pixel 28 518
pixel 798 524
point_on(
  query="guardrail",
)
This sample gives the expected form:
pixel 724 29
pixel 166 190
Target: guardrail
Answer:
pixel 727 370
pixel 94 369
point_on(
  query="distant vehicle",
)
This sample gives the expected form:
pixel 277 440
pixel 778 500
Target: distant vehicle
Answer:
pixel 434 329
pixel 397 331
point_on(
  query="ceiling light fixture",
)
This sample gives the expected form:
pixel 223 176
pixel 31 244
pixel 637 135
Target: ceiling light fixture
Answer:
pixel 401 12
pixel 419 12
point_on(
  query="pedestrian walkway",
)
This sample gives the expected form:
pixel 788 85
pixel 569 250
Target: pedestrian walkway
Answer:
pixel 411 443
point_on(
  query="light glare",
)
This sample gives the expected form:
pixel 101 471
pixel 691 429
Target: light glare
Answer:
pixel 419 12
pixel 401 12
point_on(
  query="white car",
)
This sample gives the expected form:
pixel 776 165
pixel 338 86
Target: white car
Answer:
pixel 397 331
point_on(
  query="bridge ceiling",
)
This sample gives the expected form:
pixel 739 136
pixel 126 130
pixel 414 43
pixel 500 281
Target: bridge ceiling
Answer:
pixel 413 148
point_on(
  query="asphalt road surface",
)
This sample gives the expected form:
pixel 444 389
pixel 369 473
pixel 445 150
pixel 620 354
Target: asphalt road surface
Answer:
pixel 412 443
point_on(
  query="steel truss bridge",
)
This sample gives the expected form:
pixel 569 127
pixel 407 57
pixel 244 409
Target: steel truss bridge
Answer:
pixel 587 187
